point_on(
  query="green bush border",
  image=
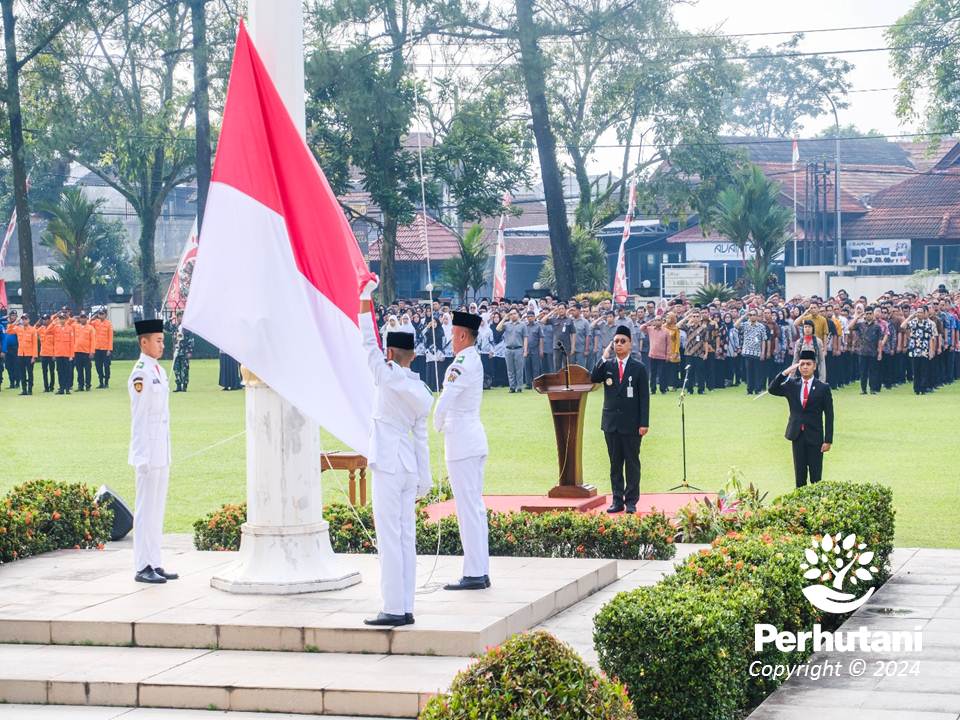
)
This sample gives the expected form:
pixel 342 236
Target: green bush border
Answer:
pixel 683 646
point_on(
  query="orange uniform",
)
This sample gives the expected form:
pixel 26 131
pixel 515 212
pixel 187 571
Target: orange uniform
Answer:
pixel 46 340
pixel 84 337
pixel 104 329
pixel 29 345
pixel 63 340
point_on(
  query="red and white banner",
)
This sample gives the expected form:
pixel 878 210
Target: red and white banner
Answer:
pixel 620 277
pixel 3 293
pixel 179 289
pixel 278 270
pixel 11 226
pixel 500 259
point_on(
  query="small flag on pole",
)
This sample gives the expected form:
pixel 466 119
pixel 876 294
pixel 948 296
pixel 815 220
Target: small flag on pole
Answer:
pixel 500 259
pixel 795 158
pixel 620 278
pixel 179 288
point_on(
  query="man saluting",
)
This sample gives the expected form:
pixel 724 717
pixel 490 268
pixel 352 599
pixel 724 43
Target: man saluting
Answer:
pixel 626 417
pixel 149 451
pixel 810 427
pixel 400 460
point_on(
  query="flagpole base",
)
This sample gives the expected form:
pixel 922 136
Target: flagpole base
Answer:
pixel 285 561
pixel 285 543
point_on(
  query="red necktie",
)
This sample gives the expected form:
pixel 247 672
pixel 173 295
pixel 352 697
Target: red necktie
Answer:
pixel 620 365
pixel 806 393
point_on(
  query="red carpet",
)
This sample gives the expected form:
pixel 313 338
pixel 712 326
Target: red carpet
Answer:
pixel 667 503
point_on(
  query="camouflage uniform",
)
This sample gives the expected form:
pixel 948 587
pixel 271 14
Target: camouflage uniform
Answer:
pixel 183 348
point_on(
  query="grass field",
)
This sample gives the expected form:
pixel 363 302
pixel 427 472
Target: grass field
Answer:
pixel 906 442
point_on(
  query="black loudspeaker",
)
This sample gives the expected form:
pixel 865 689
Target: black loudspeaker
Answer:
pixel 122 517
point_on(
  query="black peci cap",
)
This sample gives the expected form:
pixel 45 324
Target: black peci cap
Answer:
pixel 466 320
pixel 146 327
pixel 808 355
pixel 400 340
pixel 623 330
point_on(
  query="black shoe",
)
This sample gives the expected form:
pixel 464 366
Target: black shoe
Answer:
pixel 479 582
pixel 631 509
pixel 386 620
pixel 24 392
pixel 61 392
pixel 863 392
pixel 615 507
pixel 67 391
pixel 149 575
pixel 178 389
pixel 512 390
pixel 519 390
pixel 166 575
pixel 100 385
pixel 409 618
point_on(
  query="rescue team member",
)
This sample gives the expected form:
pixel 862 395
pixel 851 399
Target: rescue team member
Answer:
pixel 149 452
pixel 63 352
pixel 103 348
pixel 48 362
pixel 84 338
pixel 28 349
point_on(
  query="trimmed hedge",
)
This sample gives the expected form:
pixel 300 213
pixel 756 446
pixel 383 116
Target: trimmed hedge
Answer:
pixel 126 347
pixel 44 515
pixel 518 534
pixel 683 647
pixel 531 675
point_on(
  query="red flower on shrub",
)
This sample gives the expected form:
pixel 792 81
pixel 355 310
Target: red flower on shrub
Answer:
pixel 56 515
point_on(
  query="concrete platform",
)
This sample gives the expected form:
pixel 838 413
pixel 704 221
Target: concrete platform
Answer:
pixel 306 683
pixel 90 598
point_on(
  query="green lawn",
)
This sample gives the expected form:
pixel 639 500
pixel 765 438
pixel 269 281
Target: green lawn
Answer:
pixel 896 438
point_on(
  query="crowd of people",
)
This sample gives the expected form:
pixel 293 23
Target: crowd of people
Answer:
pixel 66 347
pixel 877 344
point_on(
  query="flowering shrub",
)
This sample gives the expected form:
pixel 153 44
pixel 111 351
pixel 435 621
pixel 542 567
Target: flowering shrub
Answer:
pixel 44 515
pixel 516 534
pixel 531 675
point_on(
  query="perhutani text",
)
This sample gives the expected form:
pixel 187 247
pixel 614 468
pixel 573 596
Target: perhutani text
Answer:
pixel 861 640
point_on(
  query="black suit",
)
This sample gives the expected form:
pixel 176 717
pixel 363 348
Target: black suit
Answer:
pixel 626 409
pixel 808 427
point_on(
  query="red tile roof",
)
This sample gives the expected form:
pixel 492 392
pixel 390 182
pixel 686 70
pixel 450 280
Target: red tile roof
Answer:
pixel 923 207
pixel 694 234
pixel 410 243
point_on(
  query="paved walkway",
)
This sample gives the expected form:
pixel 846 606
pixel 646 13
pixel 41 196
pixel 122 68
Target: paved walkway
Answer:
pixel 923 593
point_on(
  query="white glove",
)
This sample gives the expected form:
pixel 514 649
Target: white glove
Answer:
pixel 424 487
pixel 368 286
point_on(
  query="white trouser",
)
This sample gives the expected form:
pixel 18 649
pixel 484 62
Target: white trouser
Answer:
pixel 466 479
pixel 151 502
pixel 394 515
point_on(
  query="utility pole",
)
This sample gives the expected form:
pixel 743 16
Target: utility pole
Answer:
pixel 836 187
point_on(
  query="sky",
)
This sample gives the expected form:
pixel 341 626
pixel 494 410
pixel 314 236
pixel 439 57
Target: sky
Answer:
pixel 868 110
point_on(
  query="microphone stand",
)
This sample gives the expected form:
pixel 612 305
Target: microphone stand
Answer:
pixel 566 362
pixel 684 485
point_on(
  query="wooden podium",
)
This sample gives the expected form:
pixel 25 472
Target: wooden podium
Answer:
pixel 567 390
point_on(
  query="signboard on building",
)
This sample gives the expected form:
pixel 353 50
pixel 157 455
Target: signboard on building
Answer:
pixel 878 252
pixel 715 251
pixel 682 278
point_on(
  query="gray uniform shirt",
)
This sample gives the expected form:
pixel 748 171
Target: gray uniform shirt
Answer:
pixel 533 331
pixel 582 327
pixel 513 334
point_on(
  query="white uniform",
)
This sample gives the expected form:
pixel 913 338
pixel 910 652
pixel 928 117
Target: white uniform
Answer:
pixel 150 456
pixel 400 460
pixel 457 416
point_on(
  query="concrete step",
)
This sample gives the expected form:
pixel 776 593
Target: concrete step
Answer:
pixel 102 712
pixel 71 597
pixel 374 685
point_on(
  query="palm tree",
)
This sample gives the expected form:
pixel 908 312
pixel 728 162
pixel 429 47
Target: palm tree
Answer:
pixel 749 214
pixel 73 232
pixel 468 271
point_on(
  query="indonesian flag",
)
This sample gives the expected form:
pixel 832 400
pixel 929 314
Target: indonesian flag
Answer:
pixel 11 226
pixel 179 288
pixel 278 270
pixel 620 277
pixel 795 158
pixel 500 259
pixel 3 293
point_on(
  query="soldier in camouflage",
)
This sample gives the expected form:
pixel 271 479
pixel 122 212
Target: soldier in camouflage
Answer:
pixel 182 352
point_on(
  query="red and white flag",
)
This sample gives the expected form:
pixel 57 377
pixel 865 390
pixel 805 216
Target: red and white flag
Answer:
pixel 278 270
pixel 620 277
pixel 11 226
pixel 500 259
pixel 179 289
pixel 795 157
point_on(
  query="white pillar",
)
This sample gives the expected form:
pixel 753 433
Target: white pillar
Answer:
pixel 285 547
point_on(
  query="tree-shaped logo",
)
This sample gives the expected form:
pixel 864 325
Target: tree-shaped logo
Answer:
pixel 835 562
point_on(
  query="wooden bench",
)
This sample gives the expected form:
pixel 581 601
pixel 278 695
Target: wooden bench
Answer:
pixel 351 462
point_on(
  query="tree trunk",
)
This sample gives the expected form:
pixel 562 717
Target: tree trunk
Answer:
pixel 18 162
pixel 148 262
pixel 201 103
pixel 531 66
pixel 584 212
pixel 388 251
